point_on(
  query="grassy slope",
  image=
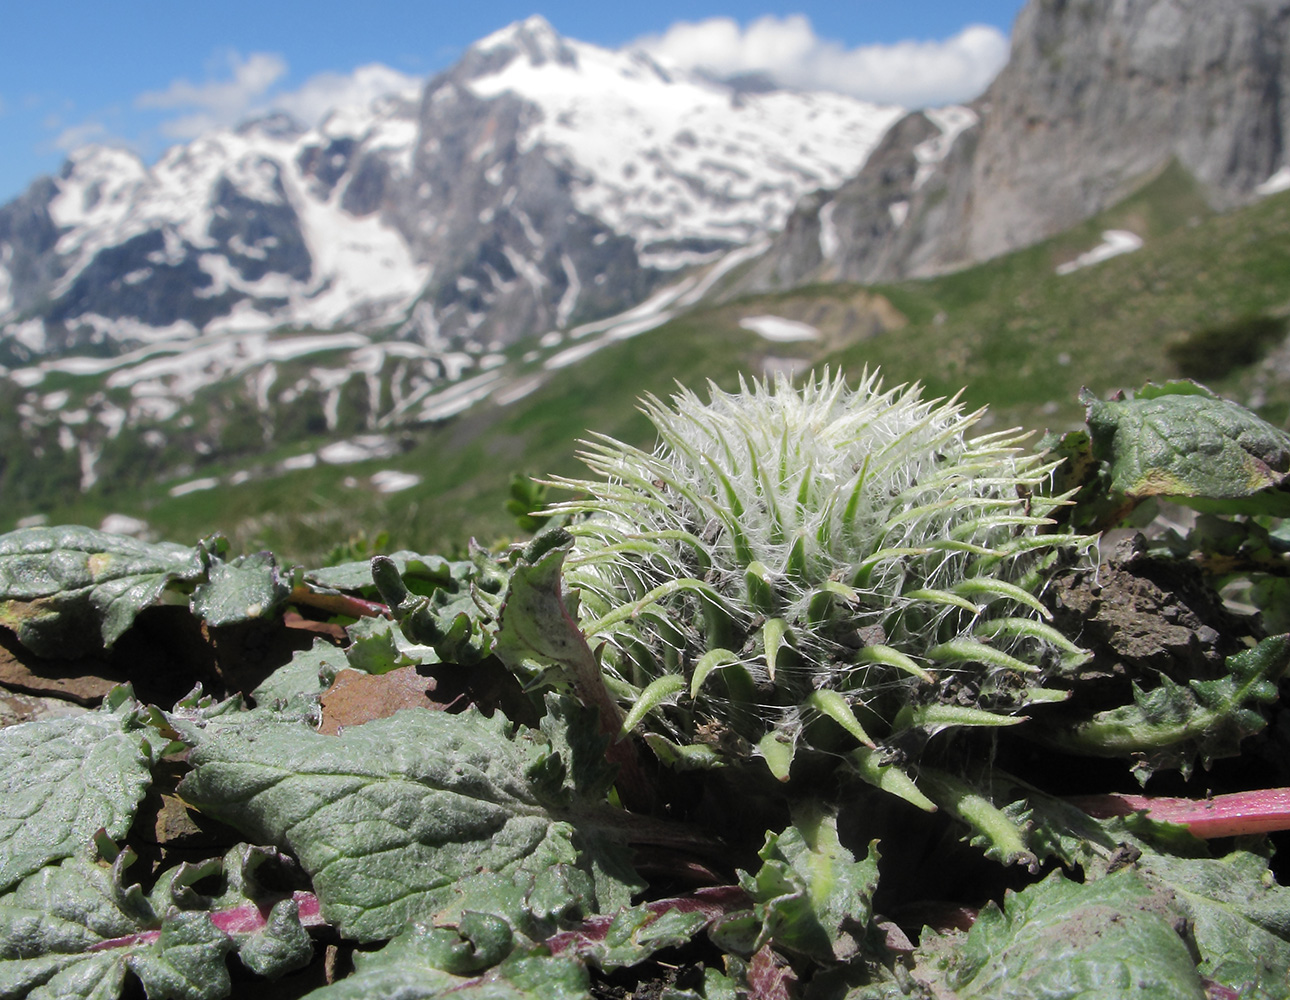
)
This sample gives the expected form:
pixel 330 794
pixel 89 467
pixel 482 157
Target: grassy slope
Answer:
pixel 1018 336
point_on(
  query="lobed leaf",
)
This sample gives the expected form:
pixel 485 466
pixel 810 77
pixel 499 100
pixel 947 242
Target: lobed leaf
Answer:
pixel 61 780
pixel 811 895
pixel 1171 724
pixel 241 589
pixel 68 591
pixel 1062 940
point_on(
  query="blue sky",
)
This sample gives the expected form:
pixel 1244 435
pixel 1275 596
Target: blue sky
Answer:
pixel 148 73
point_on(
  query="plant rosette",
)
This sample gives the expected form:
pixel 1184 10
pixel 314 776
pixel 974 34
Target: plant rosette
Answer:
pixel 788 563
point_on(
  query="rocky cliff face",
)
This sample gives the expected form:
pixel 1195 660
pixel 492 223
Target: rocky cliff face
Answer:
pixel 1097 97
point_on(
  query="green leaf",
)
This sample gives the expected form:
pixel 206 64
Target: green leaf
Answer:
pixel 1240 918
pixel 831 704
pixel 631 935
pixel 61 780
pixel 73 931
pixel 889 777
pixel 266 932
pixel 419 574
pixel 999 834
pixel 299 683
pixel 1060 940
pixel 810 894
pixel 446 605
pixel 391 818
pixel 415 966
pixel 377 646
pixel 538 635
pixel 1169 725
pixel 777 750
pixel 656 693
pixel 241 589
pixel 69 591
pixel 1181 442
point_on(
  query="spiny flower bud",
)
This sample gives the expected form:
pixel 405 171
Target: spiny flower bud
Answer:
pixel 785 556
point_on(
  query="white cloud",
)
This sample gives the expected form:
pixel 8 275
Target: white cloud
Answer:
pixel 216 102
pixel 329 91
pixel 76 136
pixel 246 91
pixel 909 73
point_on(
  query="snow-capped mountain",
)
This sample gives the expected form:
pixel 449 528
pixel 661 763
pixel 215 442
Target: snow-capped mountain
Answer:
pixel 262 286
pixel 538 184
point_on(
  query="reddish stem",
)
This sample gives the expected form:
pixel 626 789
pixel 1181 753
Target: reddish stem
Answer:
pixel 1234 815
pixel 339 604
pixel 244 919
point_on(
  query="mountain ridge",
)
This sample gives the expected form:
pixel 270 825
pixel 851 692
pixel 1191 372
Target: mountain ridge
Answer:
pixel 538 183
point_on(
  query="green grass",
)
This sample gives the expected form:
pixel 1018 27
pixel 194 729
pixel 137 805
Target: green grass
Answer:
pixel 1011 332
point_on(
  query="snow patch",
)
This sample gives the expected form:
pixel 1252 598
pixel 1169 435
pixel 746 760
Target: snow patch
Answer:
pixel 569 300
pixel 1114 243
pixel 461 396
pixel 728 263
pixel 829 241
pixel 194 486
pixel 124 524
pixel 359 449
pixel 517 390
pixel 661 154
pixel 393 481
pixel 778 329
pixel 30 333
pixel 1278 182
pixel 952 122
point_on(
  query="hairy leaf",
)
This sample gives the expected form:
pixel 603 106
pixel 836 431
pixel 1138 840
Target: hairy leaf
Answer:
pixel 1240 918
pixel 1060 940
pixel 68 591
pixel 811 894
pixel 300 683
pixel 634 933
pixel 61 780
pixel 1170 725
pixel 1182 442
pixel 73 931
pixel 241 589
pixel 447 606
pixel 425 963
pixel 377 646
pixel 390 817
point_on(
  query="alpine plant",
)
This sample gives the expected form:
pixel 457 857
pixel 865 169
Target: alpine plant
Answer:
pixel 787 562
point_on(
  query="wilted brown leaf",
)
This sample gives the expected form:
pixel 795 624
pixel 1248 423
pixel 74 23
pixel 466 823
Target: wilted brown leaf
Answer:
pixel 356 697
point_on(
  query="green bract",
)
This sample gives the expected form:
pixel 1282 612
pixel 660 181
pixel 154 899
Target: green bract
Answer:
pixel 788 555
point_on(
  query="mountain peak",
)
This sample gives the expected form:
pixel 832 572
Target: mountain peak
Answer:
pixel 534 38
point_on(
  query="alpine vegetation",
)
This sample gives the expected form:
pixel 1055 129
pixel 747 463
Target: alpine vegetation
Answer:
pixel 788 556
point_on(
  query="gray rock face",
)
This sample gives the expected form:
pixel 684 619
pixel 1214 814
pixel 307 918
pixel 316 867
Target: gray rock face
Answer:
pixel 27 240
pixel 1097 97
pixel 1099 94
pixel 513 255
